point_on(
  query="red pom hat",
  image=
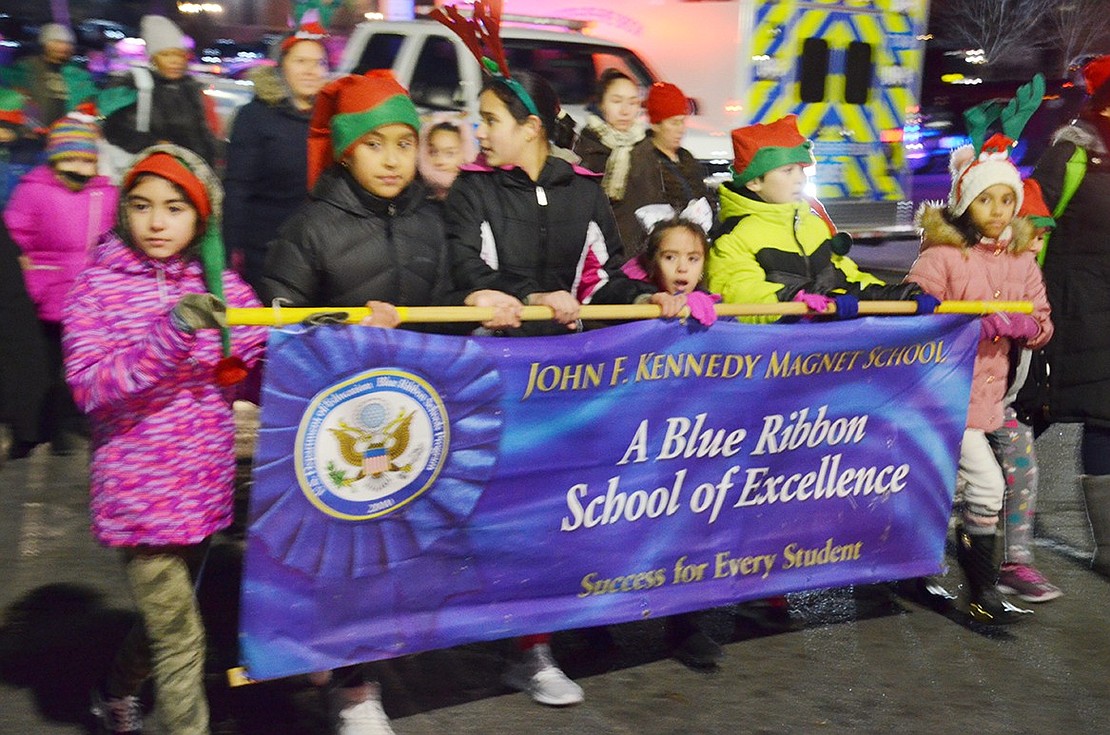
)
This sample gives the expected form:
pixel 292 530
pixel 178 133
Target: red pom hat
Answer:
pixel 762 147
pixel 1096 73
pixel 665 100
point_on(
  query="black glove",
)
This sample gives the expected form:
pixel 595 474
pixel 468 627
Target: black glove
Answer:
pixel 199 311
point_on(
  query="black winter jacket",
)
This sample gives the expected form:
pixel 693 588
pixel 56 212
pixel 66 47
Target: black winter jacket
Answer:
pixel 509 233
pixel 177 114
pixel 1077 277
pixel 266 178
pixel 346 247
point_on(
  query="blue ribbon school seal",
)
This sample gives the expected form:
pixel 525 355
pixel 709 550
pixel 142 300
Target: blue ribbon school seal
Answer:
pixel 375 445
pixel 369 445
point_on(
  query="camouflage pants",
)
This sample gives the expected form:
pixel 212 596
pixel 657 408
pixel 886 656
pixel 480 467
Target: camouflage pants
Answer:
pixel 169 642
pixel 1013 446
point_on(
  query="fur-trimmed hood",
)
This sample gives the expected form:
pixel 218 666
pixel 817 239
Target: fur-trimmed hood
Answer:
pixel 1081 134
pixel 936 230
pixel 270 87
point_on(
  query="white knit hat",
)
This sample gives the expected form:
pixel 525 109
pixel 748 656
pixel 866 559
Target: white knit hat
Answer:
pixel 972 175
pixel 55 32
pixel 159 33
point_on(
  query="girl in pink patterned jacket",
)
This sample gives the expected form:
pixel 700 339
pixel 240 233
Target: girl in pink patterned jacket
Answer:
pixel 150 361
pixel 977 249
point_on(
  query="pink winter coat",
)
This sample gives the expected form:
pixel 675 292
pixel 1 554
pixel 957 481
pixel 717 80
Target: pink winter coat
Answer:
pixel 948 269
pixel 163 459
pixel 57 229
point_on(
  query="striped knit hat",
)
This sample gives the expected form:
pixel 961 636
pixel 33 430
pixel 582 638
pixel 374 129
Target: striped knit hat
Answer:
pixel 349 108
pixel 72 136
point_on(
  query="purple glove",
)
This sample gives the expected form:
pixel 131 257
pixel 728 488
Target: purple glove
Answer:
pixel 701 306
pixel 1015 326
pixel 813 301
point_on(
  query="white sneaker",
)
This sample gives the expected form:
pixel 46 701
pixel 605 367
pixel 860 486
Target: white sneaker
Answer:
pixel 541 677
pixel 364 718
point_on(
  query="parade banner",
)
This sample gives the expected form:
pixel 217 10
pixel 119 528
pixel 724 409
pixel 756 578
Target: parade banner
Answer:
pixel 415 491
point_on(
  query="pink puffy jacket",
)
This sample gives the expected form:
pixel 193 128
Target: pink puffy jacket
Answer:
pixel 163 460
pixel 950 270
pixel 57 230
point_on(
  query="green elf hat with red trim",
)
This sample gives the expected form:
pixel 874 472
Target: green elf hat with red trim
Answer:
pixel 349 108
pixel 762 147
pixel 11 108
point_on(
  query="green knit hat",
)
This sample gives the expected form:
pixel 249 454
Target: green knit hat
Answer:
pixel 762 147
pixel 349 108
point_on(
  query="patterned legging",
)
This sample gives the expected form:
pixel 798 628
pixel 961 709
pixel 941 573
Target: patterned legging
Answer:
pixel 1013 446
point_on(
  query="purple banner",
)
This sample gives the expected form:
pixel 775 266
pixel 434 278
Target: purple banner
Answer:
pixel 414 491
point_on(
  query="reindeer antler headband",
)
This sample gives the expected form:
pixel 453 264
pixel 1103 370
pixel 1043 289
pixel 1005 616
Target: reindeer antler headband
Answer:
pixel 483 29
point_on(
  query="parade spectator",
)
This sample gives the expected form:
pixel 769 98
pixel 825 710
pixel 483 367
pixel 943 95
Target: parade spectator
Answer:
pixel 52 84
pixel 612 128
pixel 25 374
pixel 369 233
pixel 162 103
pixel 266 177
pixel 507 251
pixel 56 215
pixel 661 171
pixel 151 361
pixel 977 249
pixel 773 243
pixel 443 149
pixel 1074 266
pixel 19 152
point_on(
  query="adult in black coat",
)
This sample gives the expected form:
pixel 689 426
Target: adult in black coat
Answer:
pixel 266 176
pixel 1075 268
pixel 24 364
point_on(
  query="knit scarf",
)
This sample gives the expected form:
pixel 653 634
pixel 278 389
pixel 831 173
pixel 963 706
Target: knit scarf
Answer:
pixel 620 145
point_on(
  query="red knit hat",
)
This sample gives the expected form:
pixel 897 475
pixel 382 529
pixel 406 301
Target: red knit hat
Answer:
pixel 665 100
pixel 762 147
pixel 349 108
pixel 1033 206
pixel 171 169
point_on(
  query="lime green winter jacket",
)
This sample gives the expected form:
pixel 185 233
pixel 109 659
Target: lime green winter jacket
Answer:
pixel 772 251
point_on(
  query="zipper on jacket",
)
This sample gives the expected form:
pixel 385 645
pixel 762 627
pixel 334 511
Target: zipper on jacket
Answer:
pixel 801 248
pixel 541 199
pixel 392 248
pixel 163 292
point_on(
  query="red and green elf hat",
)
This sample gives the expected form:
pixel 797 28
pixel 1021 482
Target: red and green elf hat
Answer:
pixel 762 147
pixel 349 108
pixel 11 108
pixel 308 32
pixel 1033 206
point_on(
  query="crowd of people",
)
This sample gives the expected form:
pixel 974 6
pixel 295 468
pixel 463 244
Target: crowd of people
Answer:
pixel 135 230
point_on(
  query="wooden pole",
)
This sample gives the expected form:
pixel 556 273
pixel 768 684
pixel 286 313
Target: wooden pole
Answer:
pixel 284 316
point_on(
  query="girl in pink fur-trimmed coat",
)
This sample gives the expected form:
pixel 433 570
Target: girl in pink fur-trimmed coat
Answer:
pixel 977 249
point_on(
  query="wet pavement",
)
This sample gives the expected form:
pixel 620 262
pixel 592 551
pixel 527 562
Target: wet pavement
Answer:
pixel 848 660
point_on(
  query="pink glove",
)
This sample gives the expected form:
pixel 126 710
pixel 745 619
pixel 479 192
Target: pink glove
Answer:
pixel 1015 326
pixel 813 301
pixel 701 306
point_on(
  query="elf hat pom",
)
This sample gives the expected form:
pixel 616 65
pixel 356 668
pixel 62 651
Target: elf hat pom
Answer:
pixel 349 108
pixel 763 147
pixel 187 170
